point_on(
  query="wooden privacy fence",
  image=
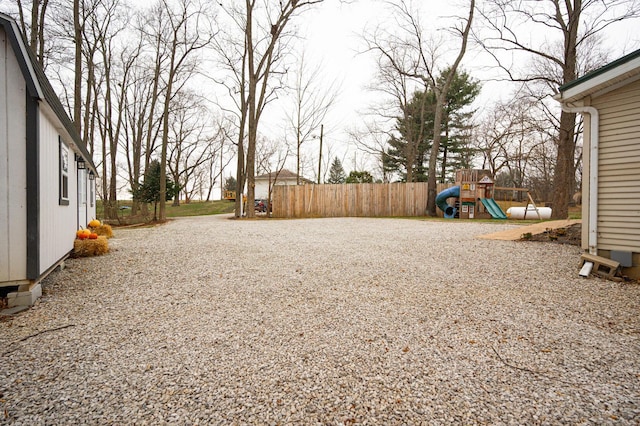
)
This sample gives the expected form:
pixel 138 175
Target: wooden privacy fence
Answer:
pixel 345 200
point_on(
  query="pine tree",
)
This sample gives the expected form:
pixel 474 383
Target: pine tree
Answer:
pixel 149 191
pixel 336 172
pixel 454 152
pixel 230 184
pixel 359 177
pixel 411 148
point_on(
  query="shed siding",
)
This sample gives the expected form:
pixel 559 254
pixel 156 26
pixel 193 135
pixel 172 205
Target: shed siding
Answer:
pixel 619 169
pixel 57 223
pixel 13 217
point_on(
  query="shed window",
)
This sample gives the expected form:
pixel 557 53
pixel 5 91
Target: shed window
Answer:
pixel 63 198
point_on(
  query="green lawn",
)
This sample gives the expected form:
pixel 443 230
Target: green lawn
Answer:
pixel 201 208
pixel 204 208
pixel 194 208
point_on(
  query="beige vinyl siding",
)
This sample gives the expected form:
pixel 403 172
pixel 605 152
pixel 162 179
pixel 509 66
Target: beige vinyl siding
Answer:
pixel 13 178
pixel 619 169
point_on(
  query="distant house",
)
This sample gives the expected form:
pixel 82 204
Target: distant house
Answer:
pixel 609 100
pixel 46 174
pixel 284 177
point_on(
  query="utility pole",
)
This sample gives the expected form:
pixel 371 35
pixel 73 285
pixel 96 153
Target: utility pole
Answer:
pixel 320 154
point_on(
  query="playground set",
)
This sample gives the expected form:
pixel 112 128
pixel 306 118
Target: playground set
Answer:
pixel 474 199
pixel 473 195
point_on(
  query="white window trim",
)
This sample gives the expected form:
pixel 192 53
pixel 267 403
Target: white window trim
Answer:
pixel 63 167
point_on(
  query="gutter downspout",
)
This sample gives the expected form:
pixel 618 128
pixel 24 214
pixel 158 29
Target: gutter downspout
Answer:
pixel 593 171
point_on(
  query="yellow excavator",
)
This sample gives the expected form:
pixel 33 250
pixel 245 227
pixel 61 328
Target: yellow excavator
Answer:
pixel 231 196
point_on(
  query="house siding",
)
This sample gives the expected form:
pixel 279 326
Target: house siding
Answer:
pixel 262 186
pixel 13 203
pixel 619 169
pixel 58 223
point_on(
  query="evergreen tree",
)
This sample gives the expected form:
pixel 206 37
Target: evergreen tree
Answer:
pixel 149 191
pixel 410 150
pixel 417 118
pixel 359 177
pixel 230 184
pixel 336 172
pixel 455 150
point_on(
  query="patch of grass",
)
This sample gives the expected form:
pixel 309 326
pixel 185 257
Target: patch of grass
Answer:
pixel 199 208
pixel 194 208
pixel 575 212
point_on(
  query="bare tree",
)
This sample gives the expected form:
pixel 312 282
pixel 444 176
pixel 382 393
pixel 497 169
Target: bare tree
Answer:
pixel 77 69
pixel 141 118
pixel 190 147
pixel 270 160
pixel 184 35
pixel 219 157
pixel 91 30
pixel 32 18
pixel 311 103
pixel 253 50
pixel 110 118
pixel 574 23
pixel 398 88
pixel 372 140
pixel 504 135
pixel 419 60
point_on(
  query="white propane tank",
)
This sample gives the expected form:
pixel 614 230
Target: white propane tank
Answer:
pixel 530 210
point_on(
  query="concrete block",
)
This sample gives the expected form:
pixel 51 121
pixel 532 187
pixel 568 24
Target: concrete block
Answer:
pixel 24 298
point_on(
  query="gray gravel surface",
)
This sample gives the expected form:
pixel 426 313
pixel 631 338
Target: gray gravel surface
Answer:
pixel 326 321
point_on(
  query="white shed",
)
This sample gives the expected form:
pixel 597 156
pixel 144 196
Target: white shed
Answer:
pixel 47 186
pixel 609 99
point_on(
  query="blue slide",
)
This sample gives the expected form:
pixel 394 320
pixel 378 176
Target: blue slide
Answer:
pixel 441 201
pixel 493 208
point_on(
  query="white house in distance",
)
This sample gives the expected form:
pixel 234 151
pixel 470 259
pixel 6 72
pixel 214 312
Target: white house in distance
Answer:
pixel 609 100
pixel 284 177
pixel 47 177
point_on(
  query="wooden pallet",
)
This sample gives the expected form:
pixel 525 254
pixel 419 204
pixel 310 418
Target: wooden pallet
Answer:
pixel 602 266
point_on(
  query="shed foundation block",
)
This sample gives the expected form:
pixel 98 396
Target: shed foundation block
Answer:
pixel 25 297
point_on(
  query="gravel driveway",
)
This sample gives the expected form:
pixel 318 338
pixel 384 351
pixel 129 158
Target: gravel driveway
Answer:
pixel 324 321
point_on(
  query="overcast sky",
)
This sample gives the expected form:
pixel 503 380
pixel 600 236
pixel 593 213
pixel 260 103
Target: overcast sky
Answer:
pixel 333 37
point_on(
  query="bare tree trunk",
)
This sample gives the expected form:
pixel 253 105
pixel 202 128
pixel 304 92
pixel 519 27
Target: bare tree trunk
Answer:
pixel 564 176
pixel 165 141
pixel 441 95
pixel 435 148
pixel 35 35
pixel 252 121
pixel 564 173
pixel 77 85
pixel 240 176
pixel 443 169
